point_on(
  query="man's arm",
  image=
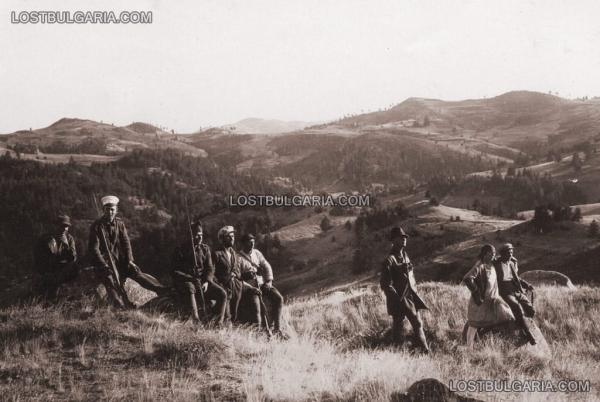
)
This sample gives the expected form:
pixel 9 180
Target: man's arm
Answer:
pixel 94 247
pixel 385 281
pixel 125 243
pixel 208 274
pixel 265 268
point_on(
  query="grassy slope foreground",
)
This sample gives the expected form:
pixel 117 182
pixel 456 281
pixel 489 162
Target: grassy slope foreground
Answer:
pixel 338 350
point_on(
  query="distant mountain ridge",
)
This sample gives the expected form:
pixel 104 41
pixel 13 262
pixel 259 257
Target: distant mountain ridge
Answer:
pixel 73 135
pixel 265 126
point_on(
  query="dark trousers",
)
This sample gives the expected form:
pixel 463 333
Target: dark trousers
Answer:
pixel 188 289
pixel 274 299
pixel 116 293
pixel 520 306
pixel 415 320
pixel 49 282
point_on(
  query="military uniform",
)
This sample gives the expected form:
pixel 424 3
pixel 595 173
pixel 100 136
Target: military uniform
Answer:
pixel 190 272
pixel 54 259
pixel 119 247
pixel 398 283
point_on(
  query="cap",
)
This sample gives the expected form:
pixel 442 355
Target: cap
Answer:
pixel 109 200
pixel 248 236
pixel 397 232
pixel 506 247
pixel 63 220
pixel 225 230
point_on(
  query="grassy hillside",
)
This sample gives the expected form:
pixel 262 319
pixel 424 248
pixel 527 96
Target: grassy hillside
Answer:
pixel 339 351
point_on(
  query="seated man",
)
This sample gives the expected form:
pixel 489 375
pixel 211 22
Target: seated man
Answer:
pixel 193 276
pixel 257 271
pixel 54 258
pixel 512 289
pixel 111 255
pixel 228 275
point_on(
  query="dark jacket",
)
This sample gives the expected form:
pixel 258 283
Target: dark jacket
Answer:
pixel 401 296
pixel 517 283
pixel 185 268
pixel 225 269
pixel 117 239
pixel 51 254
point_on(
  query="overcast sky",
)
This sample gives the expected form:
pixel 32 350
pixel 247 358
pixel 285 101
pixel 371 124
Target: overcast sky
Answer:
pixel 207 63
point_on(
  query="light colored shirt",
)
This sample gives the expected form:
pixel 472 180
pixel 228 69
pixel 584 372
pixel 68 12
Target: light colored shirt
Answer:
pixel 255 261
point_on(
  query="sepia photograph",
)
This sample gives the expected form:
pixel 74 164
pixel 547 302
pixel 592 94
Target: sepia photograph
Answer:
pixel 300 200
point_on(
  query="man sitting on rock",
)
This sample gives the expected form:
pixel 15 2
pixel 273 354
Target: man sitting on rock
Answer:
pixel 257 271
pixel 512 289
pixel 55 257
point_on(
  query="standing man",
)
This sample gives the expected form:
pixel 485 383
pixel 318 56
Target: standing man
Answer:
pixel 193 276
pixel 54 258
pixel 257 271
pixel 227 272
pixel 110 250
pixel 399 285
pixel 512 289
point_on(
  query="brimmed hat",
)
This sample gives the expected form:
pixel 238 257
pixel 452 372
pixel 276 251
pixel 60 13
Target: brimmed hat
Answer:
pixel 224 231
pixel 109 200
pixel 63 220
pixel 506 247
pixel 397 232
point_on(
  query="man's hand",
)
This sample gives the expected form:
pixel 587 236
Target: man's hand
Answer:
pixel 477 298
pixel 268 285
pixel 205 287
pixel 63 239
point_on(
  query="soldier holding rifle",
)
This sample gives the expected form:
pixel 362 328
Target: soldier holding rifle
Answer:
pixel 193 276
pixel 110 250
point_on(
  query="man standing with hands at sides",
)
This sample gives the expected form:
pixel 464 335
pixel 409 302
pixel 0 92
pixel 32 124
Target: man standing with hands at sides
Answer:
pixel 193 276
pixel 110 250
pixel 399 285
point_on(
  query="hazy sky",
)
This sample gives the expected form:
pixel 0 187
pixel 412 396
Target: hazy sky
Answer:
pixel 204 63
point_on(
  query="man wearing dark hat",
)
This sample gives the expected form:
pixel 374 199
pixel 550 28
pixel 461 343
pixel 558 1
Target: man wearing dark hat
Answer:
pixel 512 288
pixel 257 271
pixel 228 274
pixel 55 257
pixel 399 285
pixel 110 250
pixel 193 276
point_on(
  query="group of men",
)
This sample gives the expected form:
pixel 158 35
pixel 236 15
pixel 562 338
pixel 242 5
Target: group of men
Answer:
pixel 398 283
pixel 223 283
pixel 216 284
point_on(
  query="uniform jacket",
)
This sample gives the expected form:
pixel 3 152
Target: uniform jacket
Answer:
pixel 398 283
pixel 513 264
pixel 51 253
pixel 117 239
pixel 184 266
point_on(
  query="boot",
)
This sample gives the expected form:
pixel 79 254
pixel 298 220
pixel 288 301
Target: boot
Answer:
pixel 193 307
pixel 528 335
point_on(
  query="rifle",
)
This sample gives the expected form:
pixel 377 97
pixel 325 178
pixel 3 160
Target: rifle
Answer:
pixel 189 222
pixel 264 317
pixel 113 266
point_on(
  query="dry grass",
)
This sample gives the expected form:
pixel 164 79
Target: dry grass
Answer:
pixel 339 350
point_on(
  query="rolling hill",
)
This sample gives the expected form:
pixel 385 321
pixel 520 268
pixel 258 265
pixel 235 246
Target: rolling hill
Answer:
pixel 69 136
